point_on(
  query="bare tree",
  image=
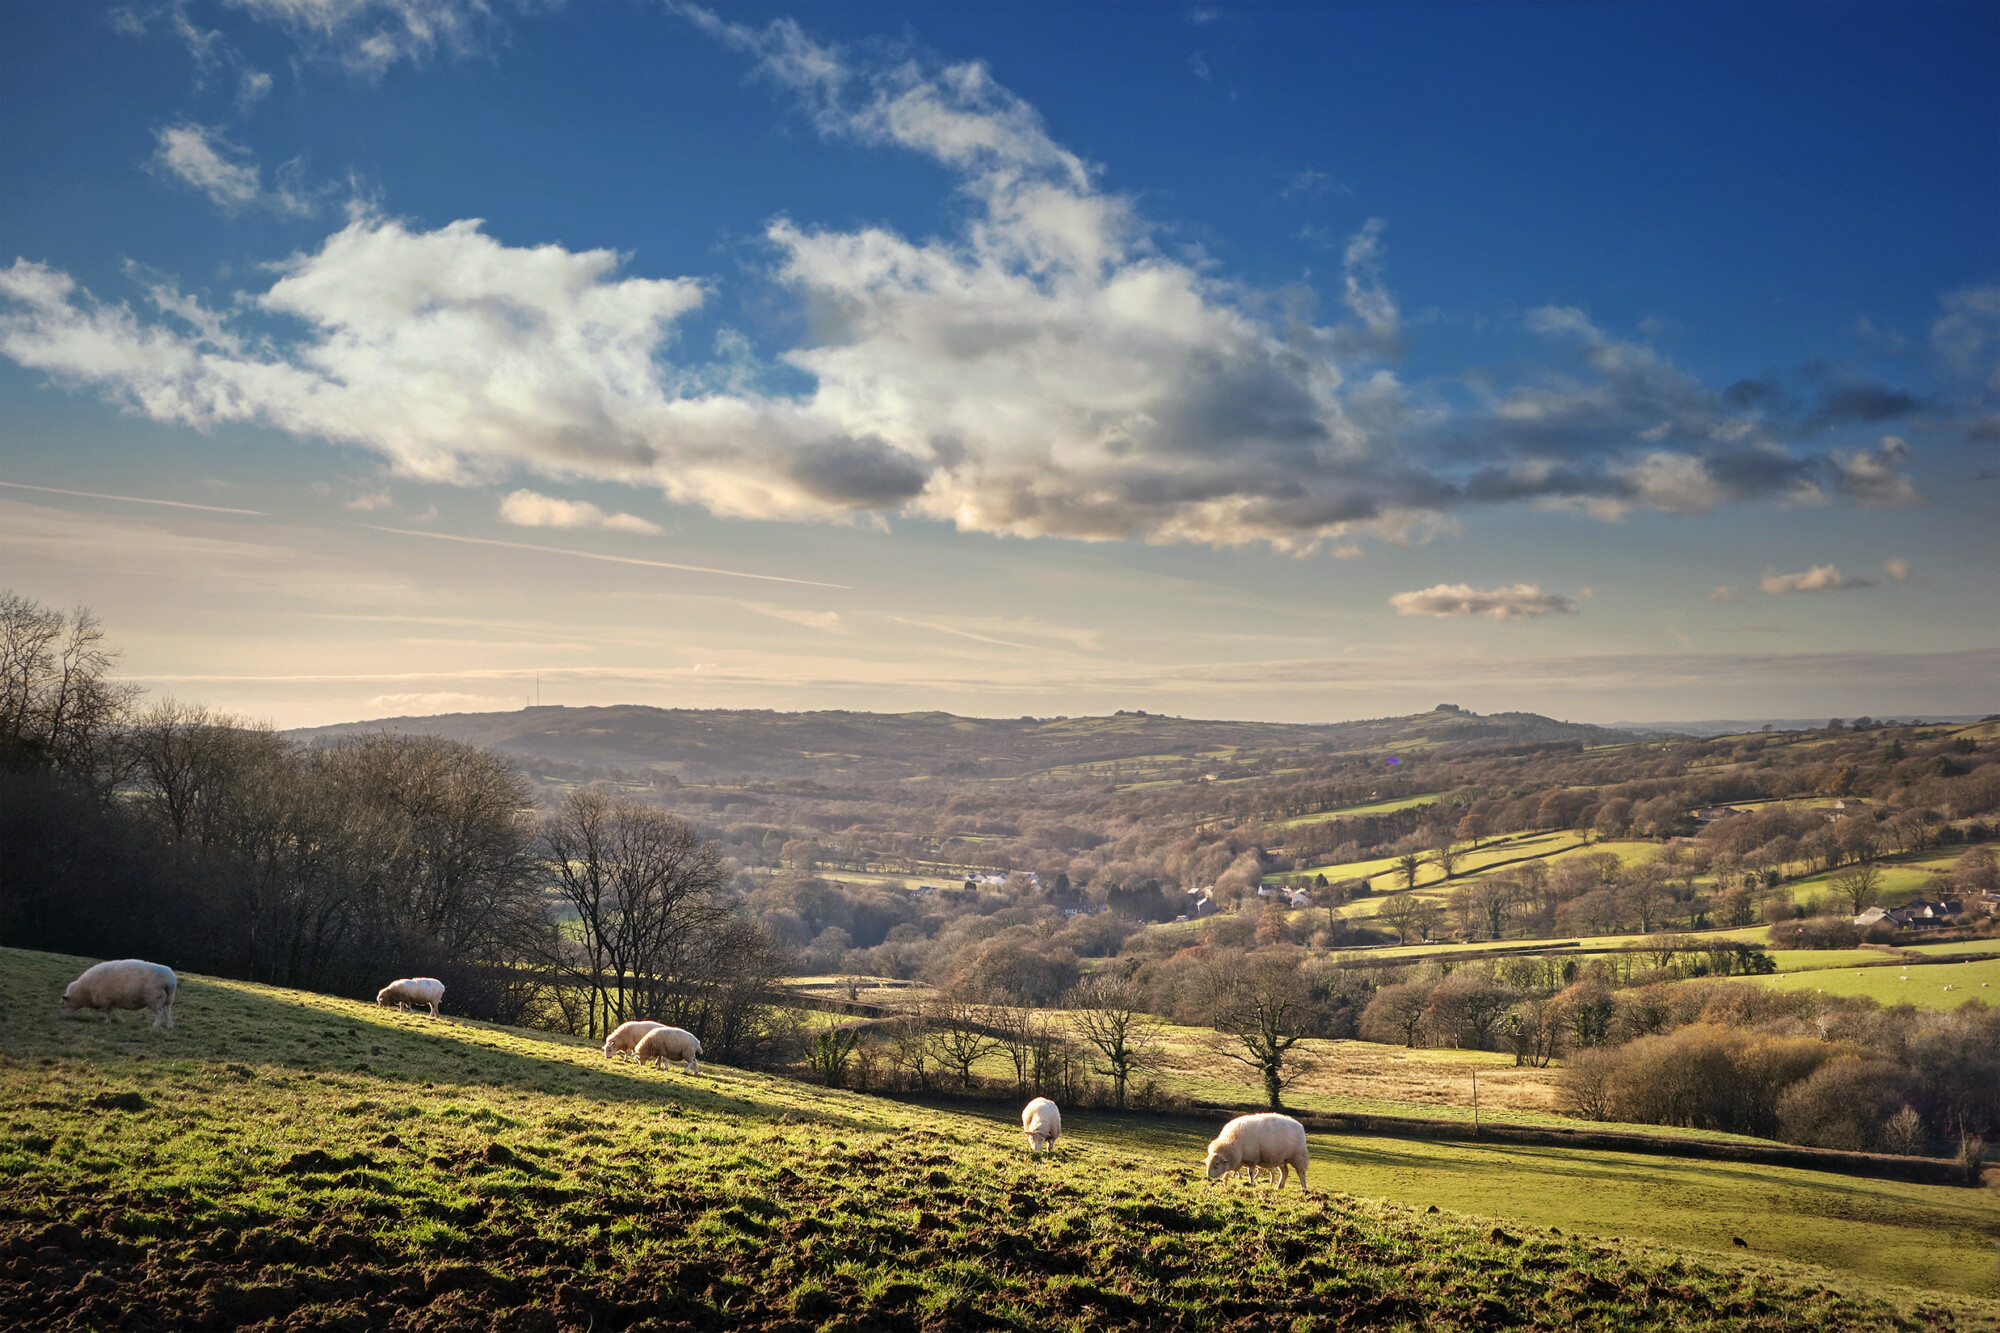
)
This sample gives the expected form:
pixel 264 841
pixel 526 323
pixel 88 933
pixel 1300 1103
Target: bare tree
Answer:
pixel 1398 1010
pixel 1533 1032
pixel 1446 855
pixel 1022 1031
pixel 1858 883
pixel 1465 1010
pixel 963 1034
pixel 1425 918
pixel 188 765
pixel 464 879
pixel 909 1042
pixel 1109 1018
pixel 1494 899
pixel 1266 1012
pixel 643 887
pixel 58 705
pixel 1399 913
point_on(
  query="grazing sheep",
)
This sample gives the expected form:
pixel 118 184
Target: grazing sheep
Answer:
pixel 670 1044
pixel 1042 1123
pixel 129 983
pixel 1275 1142
pixel 626 1036
pixel 413 990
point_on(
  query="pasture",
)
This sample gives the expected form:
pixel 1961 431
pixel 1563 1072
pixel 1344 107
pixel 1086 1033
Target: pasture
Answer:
pixel 283 1156
pixel 1924 986
pixel 1903 877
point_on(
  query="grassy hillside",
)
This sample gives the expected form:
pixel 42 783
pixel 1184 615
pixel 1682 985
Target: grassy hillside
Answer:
pixel 289 1158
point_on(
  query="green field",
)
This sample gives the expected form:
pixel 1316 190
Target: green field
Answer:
pixel 1549 848
pixel 1885 1229
pixel 280 1156
pixel 1962 946
pixel 1923 985
pixel 1369 808
pixel 1903 877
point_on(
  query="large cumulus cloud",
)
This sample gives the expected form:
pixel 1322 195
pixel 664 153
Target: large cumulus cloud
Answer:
pixel 1048 370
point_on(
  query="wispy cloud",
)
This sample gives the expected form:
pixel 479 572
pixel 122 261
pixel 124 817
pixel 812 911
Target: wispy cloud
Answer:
pixel 528 509
pixel 600 557
pixel 1898 569
pixel 1306 183
pixel 427 703
pixel 1522 601
pixel 205 159
pixel 131 499
pixel 369 37
pixel 1820 578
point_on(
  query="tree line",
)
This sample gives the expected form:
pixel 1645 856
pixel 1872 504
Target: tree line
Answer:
pixel 213 844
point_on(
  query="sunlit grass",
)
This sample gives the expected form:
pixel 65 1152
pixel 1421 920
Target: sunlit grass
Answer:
pixel 281 1156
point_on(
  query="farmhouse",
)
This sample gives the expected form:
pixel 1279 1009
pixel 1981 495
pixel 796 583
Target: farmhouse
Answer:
pixel 1915 915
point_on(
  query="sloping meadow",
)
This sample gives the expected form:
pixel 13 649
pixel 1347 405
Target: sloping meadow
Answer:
pixel 298 1161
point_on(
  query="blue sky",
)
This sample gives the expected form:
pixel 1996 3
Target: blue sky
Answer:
pixel 1307 362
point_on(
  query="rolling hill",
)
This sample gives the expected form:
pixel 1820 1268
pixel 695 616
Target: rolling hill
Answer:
pixel 703 744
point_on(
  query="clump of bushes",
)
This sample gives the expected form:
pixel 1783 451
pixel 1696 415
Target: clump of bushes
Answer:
pixel 1819 932
pixel 1860 1078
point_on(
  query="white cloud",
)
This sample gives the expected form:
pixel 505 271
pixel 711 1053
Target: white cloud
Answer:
pixel 528 509
pixel 370 502
pixel 1870 476
pixel 252 87
pixel 1522 601
pixel 421 704
pixel 1725 595
pixel 205 159
pixel 1820 578
pixel 1307 182
pixel 1046 371
pixel 1898 568
pixel 367 37
pixel 1368 297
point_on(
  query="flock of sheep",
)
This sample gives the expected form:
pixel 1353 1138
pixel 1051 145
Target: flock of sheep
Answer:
pixel 1268 1142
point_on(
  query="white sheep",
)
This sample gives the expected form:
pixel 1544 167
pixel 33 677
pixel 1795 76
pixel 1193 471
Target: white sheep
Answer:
pixel 670 1044
pixel 1042 1123
pixel 413 990
pixel 1275 1142
pixel 626 1036
pixel 129 983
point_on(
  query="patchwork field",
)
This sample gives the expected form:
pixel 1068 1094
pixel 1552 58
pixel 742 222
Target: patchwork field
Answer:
pixel 295 1158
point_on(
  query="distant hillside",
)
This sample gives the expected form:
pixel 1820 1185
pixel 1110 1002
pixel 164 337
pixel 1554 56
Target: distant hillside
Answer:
pixel 709 743
pixel 1739 726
